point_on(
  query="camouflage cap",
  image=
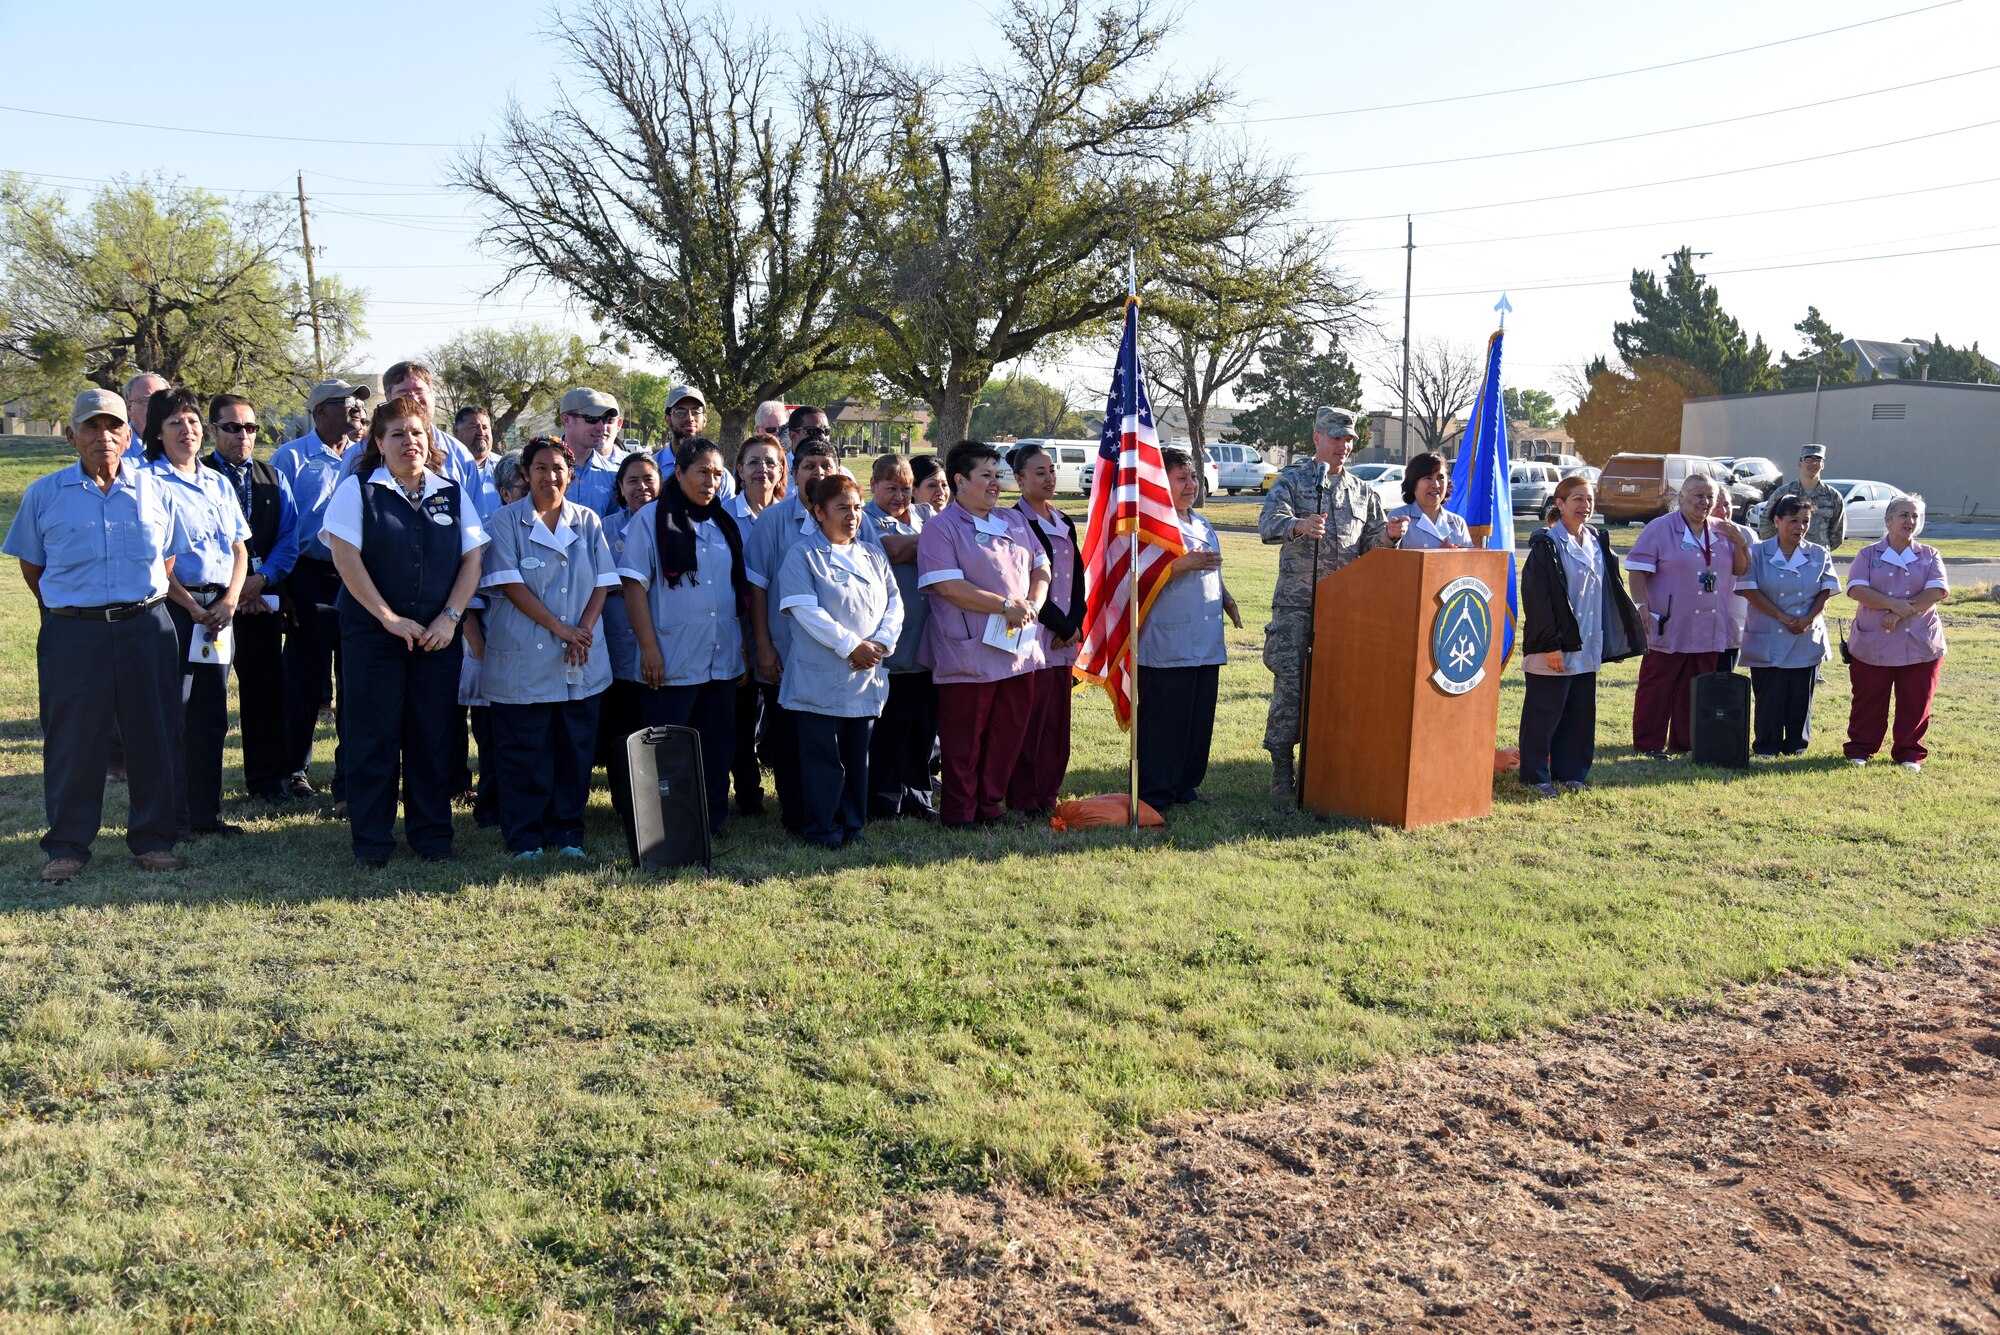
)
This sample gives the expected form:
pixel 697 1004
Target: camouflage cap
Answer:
pixel 1334 422
pixel 1812 452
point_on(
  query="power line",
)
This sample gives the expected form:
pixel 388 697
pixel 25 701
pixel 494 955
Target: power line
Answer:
pixel 1679 222
pixel 241 134
pixel 1652 134
pixel 1592 78
pixel 1677 180
pixel 1720 273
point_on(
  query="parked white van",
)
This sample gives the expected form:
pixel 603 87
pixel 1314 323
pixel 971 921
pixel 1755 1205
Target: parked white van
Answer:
pixel 1238 467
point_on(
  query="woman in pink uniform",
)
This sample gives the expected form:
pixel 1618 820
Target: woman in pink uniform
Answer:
pixel 1038 775
pixel 1683 575
pixel 985 575
pixel 1896 644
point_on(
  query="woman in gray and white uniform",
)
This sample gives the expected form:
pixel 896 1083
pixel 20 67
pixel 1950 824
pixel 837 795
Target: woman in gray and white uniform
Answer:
pixel 548 572
pixel 1784 636
pixel 842 596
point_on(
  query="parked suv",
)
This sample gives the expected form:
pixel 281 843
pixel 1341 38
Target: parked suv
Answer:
pixel 1531 483
pixel 1635 488
pixel 1238 467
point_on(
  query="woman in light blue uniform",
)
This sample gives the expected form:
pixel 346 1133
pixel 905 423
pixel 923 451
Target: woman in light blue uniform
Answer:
pixel 1426 484
pixel 687 595
pixel 548 571
pixel 843 601
pixel 201 597
pixel 510 484
pixel 900 749
pixel 1784 636
pixel 1181 653
pixel 636 486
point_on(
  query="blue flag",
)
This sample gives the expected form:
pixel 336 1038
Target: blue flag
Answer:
pixel 1479 484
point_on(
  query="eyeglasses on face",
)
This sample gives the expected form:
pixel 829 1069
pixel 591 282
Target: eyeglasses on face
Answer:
pixel 690 408
pixel 239 428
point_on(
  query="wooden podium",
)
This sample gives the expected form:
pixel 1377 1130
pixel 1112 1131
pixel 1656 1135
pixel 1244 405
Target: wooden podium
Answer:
pixel 1403 709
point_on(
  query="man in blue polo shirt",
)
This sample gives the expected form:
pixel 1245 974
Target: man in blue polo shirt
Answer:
pixel 96 541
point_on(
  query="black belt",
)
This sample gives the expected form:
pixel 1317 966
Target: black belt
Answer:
pixel 109 612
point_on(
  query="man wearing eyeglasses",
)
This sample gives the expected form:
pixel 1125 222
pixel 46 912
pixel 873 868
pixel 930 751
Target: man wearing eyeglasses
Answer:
pixel 266 499
pixel 588 419
pixel 311 465
pixel 687 418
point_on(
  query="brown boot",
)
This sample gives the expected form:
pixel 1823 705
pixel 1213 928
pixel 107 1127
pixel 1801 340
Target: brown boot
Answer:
pixel 1284 783
pixel 59 870
pixel 159 860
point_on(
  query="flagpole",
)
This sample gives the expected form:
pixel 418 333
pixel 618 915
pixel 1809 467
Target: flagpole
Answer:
pixel 1132 575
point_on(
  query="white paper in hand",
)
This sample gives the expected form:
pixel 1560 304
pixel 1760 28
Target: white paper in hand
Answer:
pixel 998 635
pixel 214 647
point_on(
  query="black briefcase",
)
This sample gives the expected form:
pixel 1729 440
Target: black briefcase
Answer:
pixel 669 798
pixel 1721 720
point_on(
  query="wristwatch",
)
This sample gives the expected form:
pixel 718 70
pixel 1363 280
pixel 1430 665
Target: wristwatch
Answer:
pixel 455 615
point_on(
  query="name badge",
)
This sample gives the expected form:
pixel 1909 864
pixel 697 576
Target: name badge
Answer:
pixel 837 575
pixel 442 519
pixel 985 538
pixel 531 563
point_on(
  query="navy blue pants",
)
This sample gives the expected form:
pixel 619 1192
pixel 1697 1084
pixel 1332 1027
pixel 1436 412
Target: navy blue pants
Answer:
pixel 204 725
pixel 710 709
pixel 96 678
pixel 1558 728
pixel 833 776
pixel 753 700
pixel 260 701
pixel 486 797
pixel 313 640
pixel 1176 730
pixel 544 753
pixel 1783 710
pixel 781 738
pixel 899 750
pixel 396 706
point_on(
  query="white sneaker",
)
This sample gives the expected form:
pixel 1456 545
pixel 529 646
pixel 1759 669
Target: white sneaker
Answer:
pixel 1913 766
pixel 1857 763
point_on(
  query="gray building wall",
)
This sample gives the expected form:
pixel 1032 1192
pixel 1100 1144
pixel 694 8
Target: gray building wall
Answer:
pixel 1933 437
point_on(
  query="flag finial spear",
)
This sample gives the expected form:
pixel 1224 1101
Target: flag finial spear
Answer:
pixel 1503 306
pixel 1131 275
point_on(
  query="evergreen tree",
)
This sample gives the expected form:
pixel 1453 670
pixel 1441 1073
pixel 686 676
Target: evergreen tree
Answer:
pixel 1823 361
pixel 1941 361
pixel 1536 407
pixel 1680 323
pixel 1289 387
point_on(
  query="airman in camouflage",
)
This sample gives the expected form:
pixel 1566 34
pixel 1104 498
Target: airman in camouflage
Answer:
pixel 1829 511
pixel 1314 507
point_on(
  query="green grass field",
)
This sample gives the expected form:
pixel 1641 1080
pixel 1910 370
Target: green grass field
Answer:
pixel 273 1092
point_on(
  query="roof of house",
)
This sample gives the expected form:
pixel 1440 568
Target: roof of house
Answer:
pixel 854 410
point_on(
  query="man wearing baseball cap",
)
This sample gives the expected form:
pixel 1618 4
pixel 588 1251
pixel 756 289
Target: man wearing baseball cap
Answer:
pixel 96 541
pixel 310 465
pixel 1321 517
pixel 588 419
pixel 687 419
pixel 1829 510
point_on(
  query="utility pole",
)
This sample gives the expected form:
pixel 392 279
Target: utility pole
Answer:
pixel 1409 268
pixel 312 283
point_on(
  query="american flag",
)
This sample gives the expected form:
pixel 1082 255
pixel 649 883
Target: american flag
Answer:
pixel 1131 512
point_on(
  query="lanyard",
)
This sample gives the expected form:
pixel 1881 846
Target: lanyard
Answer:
pixel 1707 541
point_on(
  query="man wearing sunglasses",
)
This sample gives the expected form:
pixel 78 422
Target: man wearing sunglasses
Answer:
pixel 266 499
pixel 588 419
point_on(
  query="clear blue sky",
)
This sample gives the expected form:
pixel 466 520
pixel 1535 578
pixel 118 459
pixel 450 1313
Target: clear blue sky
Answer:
pixel 439 74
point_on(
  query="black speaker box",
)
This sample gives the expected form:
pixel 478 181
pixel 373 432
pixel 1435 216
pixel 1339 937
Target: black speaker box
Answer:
pixel 669 798
pixel 1721 720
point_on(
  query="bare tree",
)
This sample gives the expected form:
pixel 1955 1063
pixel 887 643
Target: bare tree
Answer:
pixel 1013 193
pixel 1444 377
pixel 509 371
pixel 689 186
pixel 1214 311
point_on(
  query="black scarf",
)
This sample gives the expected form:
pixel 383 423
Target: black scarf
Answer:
pixel 674 520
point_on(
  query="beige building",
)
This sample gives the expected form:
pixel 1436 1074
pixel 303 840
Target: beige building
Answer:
pixel 1930 436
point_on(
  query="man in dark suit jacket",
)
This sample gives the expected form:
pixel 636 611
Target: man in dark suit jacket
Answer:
pixel 267 503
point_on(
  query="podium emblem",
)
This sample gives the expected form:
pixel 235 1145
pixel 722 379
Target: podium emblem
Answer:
pixel 1461 635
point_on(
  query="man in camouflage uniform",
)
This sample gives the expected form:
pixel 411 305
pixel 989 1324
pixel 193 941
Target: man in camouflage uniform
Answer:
pixel 1829 514
pixel 1314 504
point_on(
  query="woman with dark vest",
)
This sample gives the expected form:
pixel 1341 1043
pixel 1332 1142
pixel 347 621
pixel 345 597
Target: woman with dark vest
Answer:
pixel 1038 774
pixel 265 498
pixel 407 545
pixel 686 595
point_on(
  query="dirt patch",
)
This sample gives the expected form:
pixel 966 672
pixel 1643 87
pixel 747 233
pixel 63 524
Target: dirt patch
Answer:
pixel 1817 1155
